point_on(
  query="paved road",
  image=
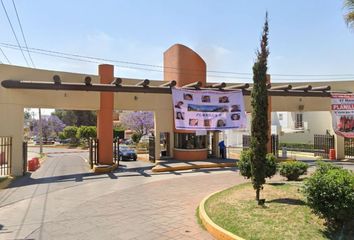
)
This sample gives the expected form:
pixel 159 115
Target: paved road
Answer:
pixel 63 200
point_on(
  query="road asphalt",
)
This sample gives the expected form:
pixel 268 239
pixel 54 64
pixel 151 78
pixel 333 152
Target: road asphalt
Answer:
pixel 64 200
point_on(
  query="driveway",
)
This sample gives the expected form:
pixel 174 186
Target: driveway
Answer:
pixel 63 200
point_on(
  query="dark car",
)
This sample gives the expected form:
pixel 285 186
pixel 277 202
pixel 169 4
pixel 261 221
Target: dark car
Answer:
pixel 126 153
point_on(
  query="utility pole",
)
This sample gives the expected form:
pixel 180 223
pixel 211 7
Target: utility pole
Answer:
pixel 40 132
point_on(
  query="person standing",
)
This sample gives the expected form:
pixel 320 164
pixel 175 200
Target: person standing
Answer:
pixel 222 148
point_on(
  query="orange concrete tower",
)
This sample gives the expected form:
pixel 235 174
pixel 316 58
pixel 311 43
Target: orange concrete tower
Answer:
pixel 105 116
pixel 185 66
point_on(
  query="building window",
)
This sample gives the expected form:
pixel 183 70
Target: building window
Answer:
pixel 280 116
pixel 299 121
pixel 189 141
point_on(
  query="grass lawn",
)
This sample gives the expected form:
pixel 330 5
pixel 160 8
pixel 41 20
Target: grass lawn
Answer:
pixel 284 216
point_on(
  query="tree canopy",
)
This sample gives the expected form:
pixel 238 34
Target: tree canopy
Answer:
pixel 349 15
pixel 77 117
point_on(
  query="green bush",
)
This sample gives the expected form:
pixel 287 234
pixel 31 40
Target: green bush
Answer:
pixel 244 164
pixel 143 145
pixel 296 145
pixel 70 132
pixel 86 132
pixel 292 170
pixel 330 193
pixel 136 137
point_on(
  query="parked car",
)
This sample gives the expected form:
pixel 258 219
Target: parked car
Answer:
pixel 126 153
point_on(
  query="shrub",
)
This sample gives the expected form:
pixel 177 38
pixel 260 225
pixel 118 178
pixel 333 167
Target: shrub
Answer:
pixel 143 145
pixel 292 170
pixel 136 137
pixel 245 164
pixel 86 132
pixel 70 132
pixel 330 193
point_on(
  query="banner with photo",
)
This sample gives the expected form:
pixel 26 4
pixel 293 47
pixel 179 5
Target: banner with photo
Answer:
pixel 208 109
pixel 343 114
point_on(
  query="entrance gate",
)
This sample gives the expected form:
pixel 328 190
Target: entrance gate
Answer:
pixel 349 147
pixel 322 145
pixel 5 155
pixel 25 157
pixel 246 143
pixel 152 149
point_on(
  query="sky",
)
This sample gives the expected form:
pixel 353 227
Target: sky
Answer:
pixel 307 37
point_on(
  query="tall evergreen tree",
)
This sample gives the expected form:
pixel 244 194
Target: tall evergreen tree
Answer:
pixel 259 101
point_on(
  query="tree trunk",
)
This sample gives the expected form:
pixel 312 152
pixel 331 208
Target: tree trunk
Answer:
pixel 257 194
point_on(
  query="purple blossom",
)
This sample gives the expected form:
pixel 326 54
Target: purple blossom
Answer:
pixel 51 126
pixel 141 122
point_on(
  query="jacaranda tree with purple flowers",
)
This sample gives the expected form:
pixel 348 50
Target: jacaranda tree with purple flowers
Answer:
pixel 140 122
pixel 51 126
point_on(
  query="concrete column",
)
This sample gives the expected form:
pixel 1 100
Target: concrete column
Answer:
pixel 216 143
pixel 11 119
pixel 163 120
pixel 339 146
pixel 105 117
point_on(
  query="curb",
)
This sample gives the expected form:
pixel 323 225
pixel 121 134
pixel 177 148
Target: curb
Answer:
pixel 215 230
pixel 180 168
pixel 6 182
pixel 104 168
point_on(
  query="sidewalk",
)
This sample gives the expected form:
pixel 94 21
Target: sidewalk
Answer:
pixel 175 165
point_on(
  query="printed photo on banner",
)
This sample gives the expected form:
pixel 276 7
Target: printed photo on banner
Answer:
pixel 208 109
pixel 193 122
pixel 343 114
pixel 207 123
pixel 235 108
pixel 221 123
pixel 235 117
pixel 180 115
pixel 346 124
pixel 205 98
pixel 188 97
pixel 179 104
pixel 224 99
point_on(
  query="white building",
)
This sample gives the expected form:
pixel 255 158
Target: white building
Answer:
pixel 292 127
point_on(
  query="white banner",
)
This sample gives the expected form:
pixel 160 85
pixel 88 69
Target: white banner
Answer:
pixel 343 114
pixel 208 109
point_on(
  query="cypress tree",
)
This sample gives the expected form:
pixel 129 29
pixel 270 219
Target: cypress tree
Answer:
pixel 259 102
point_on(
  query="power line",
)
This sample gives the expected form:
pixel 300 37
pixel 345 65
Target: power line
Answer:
pixel 13 31
pixel 82 58
pixel 3 53
pixel 23 35
pixel 164 67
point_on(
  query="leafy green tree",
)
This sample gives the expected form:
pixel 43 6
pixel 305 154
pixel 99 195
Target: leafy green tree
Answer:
pixel 70 132
pixel 76 117
pixel 86 132
pixel 136 137
pixel 259 102
pixel 349 15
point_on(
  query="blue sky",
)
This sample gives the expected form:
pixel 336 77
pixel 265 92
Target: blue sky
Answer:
pixel 306 36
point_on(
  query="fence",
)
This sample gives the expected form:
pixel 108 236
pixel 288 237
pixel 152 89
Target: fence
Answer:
pixel 349 147
pixel 152 149
pixel 24 157
pixel 116 156
pixel 246 143
pixel 322 145
pixel 5 155
pixel 93 152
